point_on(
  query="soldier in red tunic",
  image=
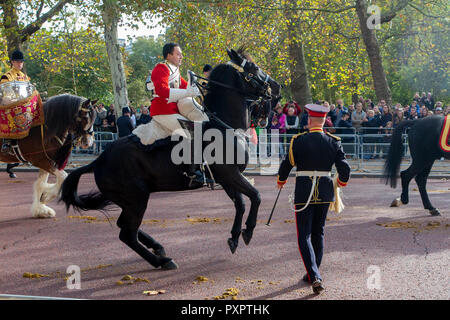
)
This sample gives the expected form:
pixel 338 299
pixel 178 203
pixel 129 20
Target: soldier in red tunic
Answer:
pixel 173 97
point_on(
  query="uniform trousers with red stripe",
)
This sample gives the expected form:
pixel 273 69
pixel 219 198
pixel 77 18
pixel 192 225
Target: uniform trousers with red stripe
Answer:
pixel 310 232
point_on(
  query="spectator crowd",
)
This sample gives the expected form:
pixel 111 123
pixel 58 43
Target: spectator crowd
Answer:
pixel 364 117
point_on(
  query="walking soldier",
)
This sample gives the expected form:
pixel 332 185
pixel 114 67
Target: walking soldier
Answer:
pixel 314 153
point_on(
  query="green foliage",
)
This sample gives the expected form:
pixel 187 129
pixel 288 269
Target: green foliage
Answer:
pixel 414 45
pixel 72 62
pixel 145 54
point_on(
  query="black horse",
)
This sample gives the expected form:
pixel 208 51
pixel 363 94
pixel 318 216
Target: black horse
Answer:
pixel 424 142
pixel 126 174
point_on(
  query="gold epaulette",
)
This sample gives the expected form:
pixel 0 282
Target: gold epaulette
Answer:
pixel 334 137
pixel 291 154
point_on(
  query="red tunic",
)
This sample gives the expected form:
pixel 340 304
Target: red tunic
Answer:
pixel 160 79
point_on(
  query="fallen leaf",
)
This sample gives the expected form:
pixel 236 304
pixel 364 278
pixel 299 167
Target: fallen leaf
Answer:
pixel 150 293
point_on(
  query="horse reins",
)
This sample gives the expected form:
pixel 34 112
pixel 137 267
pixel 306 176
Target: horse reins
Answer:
pixel 247 76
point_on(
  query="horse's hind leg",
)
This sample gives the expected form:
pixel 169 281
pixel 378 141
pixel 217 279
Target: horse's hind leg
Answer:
pixel 129 236
pixel 149 242
pixel 421 180
pixel 406 177
pixel 237 224
pixel 129 221
pixel 39 209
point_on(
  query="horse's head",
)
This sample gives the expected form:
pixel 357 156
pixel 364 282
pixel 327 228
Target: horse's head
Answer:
pixel 265 86
pixel 83 131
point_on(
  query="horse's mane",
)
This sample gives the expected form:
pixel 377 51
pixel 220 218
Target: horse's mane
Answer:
pixel 242 50
pixel 60 113
pixel 223 73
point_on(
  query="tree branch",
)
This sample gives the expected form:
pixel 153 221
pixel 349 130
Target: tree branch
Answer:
pixel 422 12
pixel 36 25
pixel 408 34
pixel 393 12
pixel 38 13
pixel 283 8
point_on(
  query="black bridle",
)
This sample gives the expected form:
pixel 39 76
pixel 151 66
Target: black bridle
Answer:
pixel 212 115
pixel 257 83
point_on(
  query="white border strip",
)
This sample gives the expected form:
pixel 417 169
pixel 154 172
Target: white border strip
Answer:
pixel 20 297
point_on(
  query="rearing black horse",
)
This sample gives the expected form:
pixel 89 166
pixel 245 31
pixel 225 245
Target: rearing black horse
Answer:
pixel 425 139
pixel 126 174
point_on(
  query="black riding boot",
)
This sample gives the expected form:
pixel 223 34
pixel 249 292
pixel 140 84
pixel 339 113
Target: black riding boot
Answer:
pixel 194 174
pixel 197 176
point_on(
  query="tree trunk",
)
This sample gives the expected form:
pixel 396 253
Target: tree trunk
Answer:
pixel 11 25
pixel 111 20
pixel 299 74
pixel 380 82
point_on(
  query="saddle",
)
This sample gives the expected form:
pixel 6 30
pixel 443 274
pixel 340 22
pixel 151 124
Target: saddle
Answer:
pixel 151 132
pixel 152 135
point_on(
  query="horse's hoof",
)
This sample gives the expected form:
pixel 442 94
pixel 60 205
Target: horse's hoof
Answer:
pixel 169 265
pixel 232 244
pixel 160 252
pixel 435 212
pixel 43 212
pixel 396 203
pixel 12 175
pixel 247 236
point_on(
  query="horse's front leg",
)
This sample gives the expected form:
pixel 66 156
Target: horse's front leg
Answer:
pixel 38 209
pixel 255 200
pixel 237 224
pixel 51 191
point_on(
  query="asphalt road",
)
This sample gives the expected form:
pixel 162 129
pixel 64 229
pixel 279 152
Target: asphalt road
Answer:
pixel 372 251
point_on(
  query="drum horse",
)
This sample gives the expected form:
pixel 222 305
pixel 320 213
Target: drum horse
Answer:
pixel 126 174
pixel 65 120
pixel 428 140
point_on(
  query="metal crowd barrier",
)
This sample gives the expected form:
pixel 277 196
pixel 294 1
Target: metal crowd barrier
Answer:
pixel 101 139
pixel 366 150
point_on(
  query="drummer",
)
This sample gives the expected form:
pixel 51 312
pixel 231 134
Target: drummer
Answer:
pixel 14 74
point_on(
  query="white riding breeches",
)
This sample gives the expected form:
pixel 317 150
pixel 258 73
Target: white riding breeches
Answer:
pixel 188 109
pixel 170 124
pixel 165 125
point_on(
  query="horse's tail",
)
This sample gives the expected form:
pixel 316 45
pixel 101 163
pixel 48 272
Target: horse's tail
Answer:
pixel 395 154
pixel 91 201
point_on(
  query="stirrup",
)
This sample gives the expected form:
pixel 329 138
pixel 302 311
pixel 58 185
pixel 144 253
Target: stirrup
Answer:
pixel 198 177
pixel 6 147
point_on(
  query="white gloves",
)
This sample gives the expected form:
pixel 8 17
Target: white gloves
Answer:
pixel 178 94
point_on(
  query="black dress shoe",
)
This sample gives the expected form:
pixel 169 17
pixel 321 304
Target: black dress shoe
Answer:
pixel 318 286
